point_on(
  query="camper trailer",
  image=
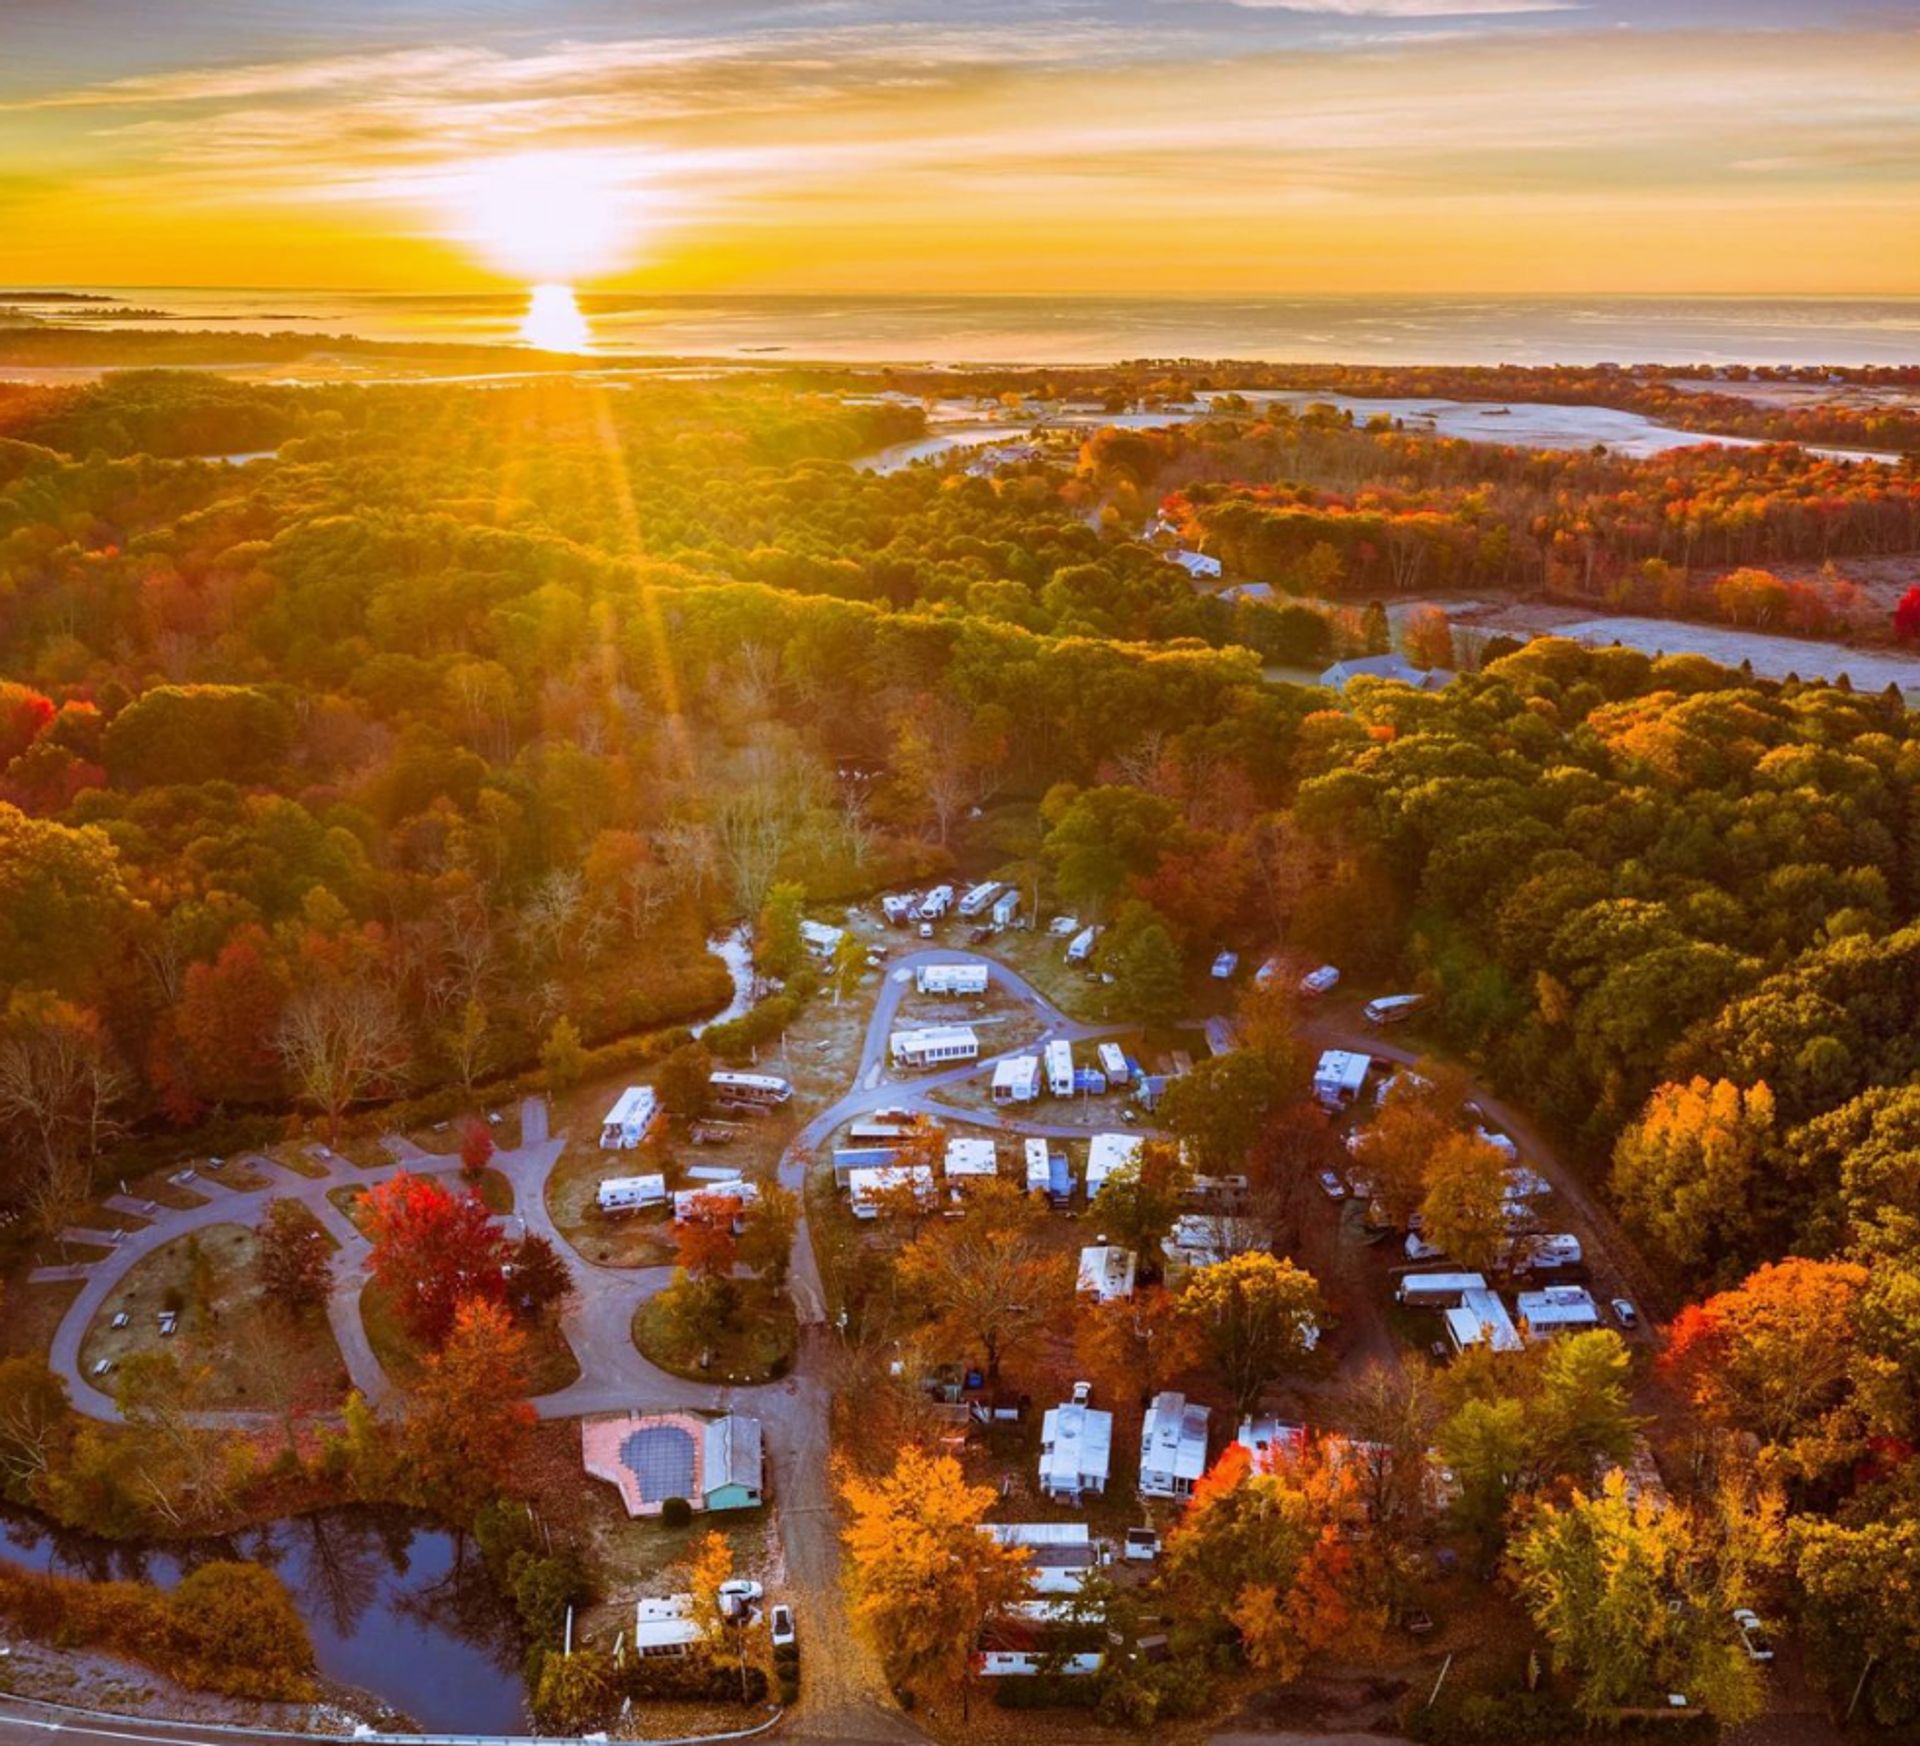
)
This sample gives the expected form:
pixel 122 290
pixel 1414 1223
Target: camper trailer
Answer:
pixel 628 1121
pixel 978 897
pixel 1059 1055
pixel 1006 910
pixel 936 903
pixel 625 1194
pixel 1339 1078
pixel 1080 947
pixel 1113 1063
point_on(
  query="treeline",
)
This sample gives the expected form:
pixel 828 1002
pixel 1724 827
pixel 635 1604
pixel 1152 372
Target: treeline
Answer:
pixel 1312 504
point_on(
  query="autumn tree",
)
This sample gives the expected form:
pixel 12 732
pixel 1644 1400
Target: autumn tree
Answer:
pixel 476 1148
pixel 1775 1357
pixel 990 1277
pixel 1136 1345
pixel 36 1428
pixel 563 1058
pixel 922 1578
pixel 778 948
pixel 1426 637
pixel 229 1017
pixel 1684 1173
pixel 1264 1550
pixel 1849 1572
pixel 1258 1315
pixel 293 1257
pixel 61 1088
pixel 1464 1210
pixel 683 1081
pixel 432 1251
pixel 468 1427
pixel 1138 1203
pixel 1421 1112
pixel 766 1245
pixel 1635 1598
pixel 704 1236
pixel 1220 1108
pixel 342 1039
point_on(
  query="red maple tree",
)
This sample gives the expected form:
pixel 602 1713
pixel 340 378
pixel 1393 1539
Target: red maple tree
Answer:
pixel 432 1252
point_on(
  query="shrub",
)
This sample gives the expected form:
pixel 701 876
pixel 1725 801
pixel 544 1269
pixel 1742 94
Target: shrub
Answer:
pixel 1047 1691
pixel 676 1512
pixel 693 1678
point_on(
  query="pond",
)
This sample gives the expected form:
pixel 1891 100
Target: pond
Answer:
pixel 391 1607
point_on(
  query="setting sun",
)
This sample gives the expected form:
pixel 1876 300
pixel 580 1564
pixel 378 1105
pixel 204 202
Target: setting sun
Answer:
pixel 550 217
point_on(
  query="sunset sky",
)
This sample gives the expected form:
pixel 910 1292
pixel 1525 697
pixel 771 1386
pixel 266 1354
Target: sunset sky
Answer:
pixel 1123 146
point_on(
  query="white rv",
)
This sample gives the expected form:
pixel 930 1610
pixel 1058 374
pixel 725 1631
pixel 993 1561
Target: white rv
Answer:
pixel 623 1194
pixel 1080 947
pixel 1113 1063
pixel 627 1122
pixel 951 978
pixel 978 897
pixel 1060 1067
pixel 762 1090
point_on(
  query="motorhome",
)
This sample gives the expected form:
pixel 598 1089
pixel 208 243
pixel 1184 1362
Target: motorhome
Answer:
pixel 1392 1008
pixel 758 1090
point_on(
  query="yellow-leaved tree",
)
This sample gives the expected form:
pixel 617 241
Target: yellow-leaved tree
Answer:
pixel 924 1579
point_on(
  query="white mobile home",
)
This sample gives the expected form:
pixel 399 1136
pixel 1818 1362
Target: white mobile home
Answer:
pixel 1059 1554
pixel 621 1194
pixel 1006 910
pixel 870 1188
pixel 1080 947
pixel 1076 1449
pixel 1113 1063
pixel 939 1046
pixel 761 1090
pixel 1108 1153
pixel 1107 1272
pixel 1546 1252
pixel 1339 1078
pixel 627 1122
pixel 1437 1290
pixel 1016 1079
pixel 972 1158
pixel 1039 1171
pixel 665 1628
pixel 1481 1319
pixel 978 897
pixel 1559 1309
pixel 1060 1067
pixel 820 939
pixel 1173 1446
pixel 951 979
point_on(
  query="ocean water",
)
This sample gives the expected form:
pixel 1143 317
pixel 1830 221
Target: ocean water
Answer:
pixel 1090 330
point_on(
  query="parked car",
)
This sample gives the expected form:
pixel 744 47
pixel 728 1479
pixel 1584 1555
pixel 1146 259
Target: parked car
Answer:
pixel 1225 965
pixel 780 1626
pixel 1333 1185
pixel 120 1319
pixel 101 1366
pixel 740 1600
pixel 1753 1634
pixel 1321 981
pixel 216 1163
pixel 1624 1313
pixel 926 930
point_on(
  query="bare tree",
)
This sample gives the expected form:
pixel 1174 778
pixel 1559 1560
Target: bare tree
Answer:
pixel 340 1041
pixel 59 1088
pixel 752 829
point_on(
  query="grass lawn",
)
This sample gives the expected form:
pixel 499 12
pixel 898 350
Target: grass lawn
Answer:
pixel 638 1239
pixel 251 1353
pixel 550 1361
pixel 757 1346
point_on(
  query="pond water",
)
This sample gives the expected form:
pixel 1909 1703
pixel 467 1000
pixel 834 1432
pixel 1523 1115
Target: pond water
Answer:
pixel 391 1606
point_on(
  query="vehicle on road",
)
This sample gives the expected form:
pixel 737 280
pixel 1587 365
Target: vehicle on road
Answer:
pixel 1333 1185
pixel 1624 1313
pixel 1390 1009
pixel 1321 981
pixel 1753 1634
pixel 780 1626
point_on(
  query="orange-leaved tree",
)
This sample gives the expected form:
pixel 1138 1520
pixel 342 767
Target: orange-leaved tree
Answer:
pixel 468 1425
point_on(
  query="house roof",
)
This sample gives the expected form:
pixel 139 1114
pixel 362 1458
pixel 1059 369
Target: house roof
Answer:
pixel 733 1453
pixel 1107 1271
pixel 1108 1153
pixel 1076 1443
pixel 1173 1437
pixel 1386 667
